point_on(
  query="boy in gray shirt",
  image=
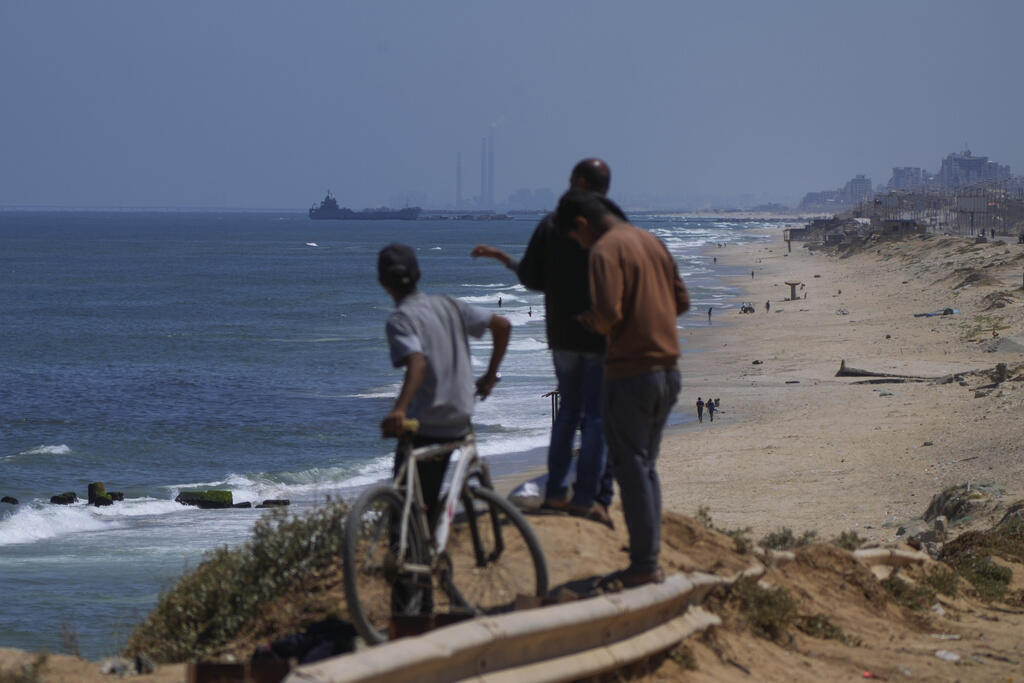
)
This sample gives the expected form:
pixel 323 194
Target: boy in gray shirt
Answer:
pixel 427 334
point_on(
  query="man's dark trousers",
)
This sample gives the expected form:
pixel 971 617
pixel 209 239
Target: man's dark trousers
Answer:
pixel 634 414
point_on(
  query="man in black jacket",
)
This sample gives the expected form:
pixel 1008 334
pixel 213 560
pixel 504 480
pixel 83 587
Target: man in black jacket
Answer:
pixel 557 265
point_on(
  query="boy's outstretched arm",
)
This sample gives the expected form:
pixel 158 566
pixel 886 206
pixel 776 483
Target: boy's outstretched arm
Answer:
pixel 415 370
pixel 500 329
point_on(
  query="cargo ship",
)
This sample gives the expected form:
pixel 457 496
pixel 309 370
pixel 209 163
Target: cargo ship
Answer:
pixel 329 210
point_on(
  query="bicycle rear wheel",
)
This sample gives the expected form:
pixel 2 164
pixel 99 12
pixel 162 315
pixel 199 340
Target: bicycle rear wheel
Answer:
pixel 494 556
pixel 375 586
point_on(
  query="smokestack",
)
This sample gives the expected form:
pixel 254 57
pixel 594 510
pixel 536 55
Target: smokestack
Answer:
pixel 458 180
pixel 490 170
pixel 483 172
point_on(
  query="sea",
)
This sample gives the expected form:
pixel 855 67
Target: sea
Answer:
pixel 170 350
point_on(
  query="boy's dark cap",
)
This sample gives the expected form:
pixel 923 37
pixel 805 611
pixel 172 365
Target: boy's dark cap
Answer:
pixel 397 265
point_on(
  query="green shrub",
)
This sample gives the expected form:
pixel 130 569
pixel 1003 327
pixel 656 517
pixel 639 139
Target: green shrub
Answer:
pixel 848 540
pixel 783 539
pixel 912 596
pixel 213 604
pixel 769 612
pixel 740 537
pixel 943 581
pixel 970 555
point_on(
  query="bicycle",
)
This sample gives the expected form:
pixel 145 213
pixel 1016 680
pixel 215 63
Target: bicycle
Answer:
pixel 389 549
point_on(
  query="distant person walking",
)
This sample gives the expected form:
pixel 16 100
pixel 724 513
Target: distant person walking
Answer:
pixel 709 315
pixel 711 410
pixel 767 306
pixel 499 302
pixel 700 410
pixel 751 275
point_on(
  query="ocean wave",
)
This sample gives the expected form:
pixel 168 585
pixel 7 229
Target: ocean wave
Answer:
pixel 32 523
pixel 62 449
pixel 493 298
pixel 528 344
pixel 310 484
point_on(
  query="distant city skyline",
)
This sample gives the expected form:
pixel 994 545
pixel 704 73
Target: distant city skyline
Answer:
pixel 264 105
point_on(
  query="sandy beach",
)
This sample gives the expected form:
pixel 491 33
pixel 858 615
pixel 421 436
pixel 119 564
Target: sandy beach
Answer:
pixel 793 445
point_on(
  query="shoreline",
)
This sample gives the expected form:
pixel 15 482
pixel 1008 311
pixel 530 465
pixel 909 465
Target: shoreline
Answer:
pixel 797 447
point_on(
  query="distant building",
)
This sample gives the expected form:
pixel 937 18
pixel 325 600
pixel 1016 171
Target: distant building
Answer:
pixel 827 200
pixel 907 178
pixel 962 169
pixel 857 191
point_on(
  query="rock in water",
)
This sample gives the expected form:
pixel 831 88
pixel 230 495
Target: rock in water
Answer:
pixel 205 499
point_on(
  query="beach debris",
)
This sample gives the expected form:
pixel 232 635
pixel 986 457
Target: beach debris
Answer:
pixel 947 656
pixel 98 495
pixel 944 311
pixel 205 500
pixel 847 371
pixel 527 496
pixel 842 311
pixel 274 503
pixel 957 502
pixel 117 666
pixel 66 498
pixel 9 500
pixel 757 362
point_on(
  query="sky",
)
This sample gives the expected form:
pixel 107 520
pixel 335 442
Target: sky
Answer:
pixel 260 104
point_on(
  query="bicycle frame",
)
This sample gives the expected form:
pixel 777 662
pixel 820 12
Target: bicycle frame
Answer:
pixel 469 464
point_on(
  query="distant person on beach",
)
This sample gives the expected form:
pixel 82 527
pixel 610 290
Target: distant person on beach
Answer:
pixel 700 410
pixel 709 315
pixel 767 306
pixel 427 336
pixel 711 410
pixel 557 266
pixel 751 275
pixel 499 302
pixel 636 295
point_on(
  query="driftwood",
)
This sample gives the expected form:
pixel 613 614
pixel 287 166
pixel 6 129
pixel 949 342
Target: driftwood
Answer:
pixel 845 371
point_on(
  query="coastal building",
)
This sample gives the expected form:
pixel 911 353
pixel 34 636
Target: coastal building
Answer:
pixel 856 191
pixel 959 170
pixel 907 178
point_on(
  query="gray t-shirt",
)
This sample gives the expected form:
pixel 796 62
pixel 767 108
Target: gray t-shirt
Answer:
pixel 436 326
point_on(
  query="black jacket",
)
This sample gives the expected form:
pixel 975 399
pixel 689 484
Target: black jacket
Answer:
pixel 556 265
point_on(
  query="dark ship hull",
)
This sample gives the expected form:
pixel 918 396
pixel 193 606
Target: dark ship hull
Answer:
pixel 329 210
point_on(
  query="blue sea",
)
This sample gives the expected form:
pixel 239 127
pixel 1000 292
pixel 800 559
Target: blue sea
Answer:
pixel 161 351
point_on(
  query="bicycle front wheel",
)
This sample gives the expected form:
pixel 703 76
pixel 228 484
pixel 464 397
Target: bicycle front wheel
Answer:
pixel 494 556
pixel 376 586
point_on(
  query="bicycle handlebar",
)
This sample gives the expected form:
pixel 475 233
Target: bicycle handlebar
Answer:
pixel 410 425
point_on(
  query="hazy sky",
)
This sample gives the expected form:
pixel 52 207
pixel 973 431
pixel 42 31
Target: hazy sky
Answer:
pixel 269 104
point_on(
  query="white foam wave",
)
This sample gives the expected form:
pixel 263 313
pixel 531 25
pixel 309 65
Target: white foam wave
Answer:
pixel 528 344
pixel 496 445
pixel 31 523
pixel 62 449
pixel 505 297
pixel 305 484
